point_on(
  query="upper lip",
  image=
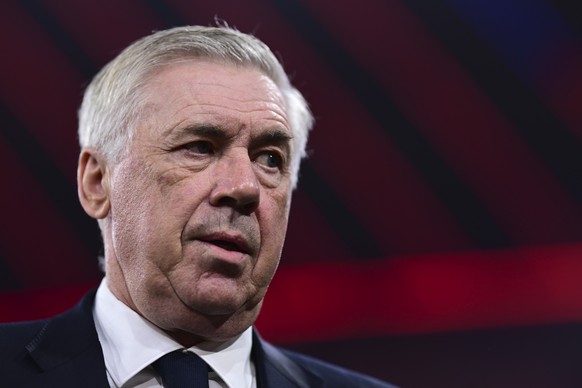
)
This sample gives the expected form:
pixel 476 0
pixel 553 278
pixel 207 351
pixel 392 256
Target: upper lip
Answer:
pixel 228 240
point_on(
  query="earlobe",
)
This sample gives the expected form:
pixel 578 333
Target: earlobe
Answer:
pixel 92 184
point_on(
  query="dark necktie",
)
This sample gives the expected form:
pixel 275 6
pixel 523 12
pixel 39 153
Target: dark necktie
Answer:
pixel 182 369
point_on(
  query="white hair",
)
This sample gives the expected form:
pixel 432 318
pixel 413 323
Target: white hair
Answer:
pixel 113 100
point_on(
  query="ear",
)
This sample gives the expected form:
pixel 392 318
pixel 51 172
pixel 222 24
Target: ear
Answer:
pixel 93 184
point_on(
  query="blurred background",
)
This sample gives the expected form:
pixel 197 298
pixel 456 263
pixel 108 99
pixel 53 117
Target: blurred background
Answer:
pixel 435 238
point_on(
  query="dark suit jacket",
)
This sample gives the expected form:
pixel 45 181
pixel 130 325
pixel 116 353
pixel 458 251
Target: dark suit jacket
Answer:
pixel 65 352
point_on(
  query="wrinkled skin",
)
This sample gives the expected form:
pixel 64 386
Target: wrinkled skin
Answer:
pixel 195 212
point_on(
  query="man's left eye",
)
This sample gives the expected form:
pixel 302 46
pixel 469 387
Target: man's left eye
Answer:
pixel 270 160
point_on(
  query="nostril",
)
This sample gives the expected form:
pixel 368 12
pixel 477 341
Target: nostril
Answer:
pixel 243 204
pixel 250 207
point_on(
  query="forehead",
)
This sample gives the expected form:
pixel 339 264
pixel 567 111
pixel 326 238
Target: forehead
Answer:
pixel 218 93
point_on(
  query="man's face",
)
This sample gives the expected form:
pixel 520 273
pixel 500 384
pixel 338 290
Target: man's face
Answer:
pixel 200 200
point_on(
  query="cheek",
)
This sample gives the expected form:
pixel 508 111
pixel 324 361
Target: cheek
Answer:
pixel 274 215
pixel 127 207
pixel 143 215
pixel 273 223
pixel 180 190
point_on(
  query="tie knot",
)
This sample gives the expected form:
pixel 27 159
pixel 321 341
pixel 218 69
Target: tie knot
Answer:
pixel 182 369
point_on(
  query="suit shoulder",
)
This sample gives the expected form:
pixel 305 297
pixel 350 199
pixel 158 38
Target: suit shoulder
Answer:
pixel 15 336
pixel 333 375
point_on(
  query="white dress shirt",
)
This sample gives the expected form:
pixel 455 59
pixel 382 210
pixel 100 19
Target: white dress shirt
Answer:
pixel 131 344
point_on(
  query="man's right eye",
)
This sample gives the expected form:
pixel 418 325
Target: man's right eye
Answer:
pixel 201 147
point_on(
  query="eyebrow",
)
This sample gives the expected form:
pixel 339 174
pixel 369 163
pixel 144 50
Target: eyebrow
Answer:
pixel 274 137
pixel 205 130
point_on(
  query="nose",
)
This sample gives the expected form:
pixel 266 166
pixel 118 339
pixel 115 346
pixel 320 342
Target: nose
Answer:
pixel 236 185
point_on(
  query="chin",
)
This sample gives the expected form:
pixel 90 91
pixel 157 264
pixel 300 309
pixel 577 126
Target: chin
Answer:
pixel 220 297
pixel 218 327
pixel 223 304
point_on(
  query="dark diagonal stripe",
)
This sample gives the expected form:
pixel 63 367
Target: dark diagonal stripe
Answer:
pixel 342 221
pixel 570 10
pixel 461 202
pixel 165 13
pixel 57 187
pixel 60 37
pixel 560 150
pixel 8 280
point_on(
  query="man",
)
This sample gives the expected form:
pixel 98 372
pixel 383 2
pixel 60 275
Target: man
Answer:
pixel 191 141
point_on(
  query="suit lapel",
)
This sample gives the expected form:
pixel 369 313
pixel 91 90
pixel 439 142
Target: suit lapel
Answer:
pixel 275 369
pixel 67 348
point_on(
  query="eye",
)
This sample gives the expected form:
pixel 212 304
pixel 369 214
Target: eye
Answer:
pixel 200 147
pixel 270 159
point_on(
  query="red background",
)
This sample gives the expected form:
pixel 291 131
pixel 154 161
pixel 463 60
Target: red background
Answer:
pixel 436 235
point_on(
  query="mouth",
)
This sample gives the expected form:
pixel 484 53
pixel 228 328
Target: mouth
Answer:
pixel 232 243
pixel 226 245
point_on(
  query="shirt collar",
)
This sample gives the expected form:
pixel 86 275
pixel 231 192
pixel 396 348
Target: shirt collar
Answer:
pixel 131 343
